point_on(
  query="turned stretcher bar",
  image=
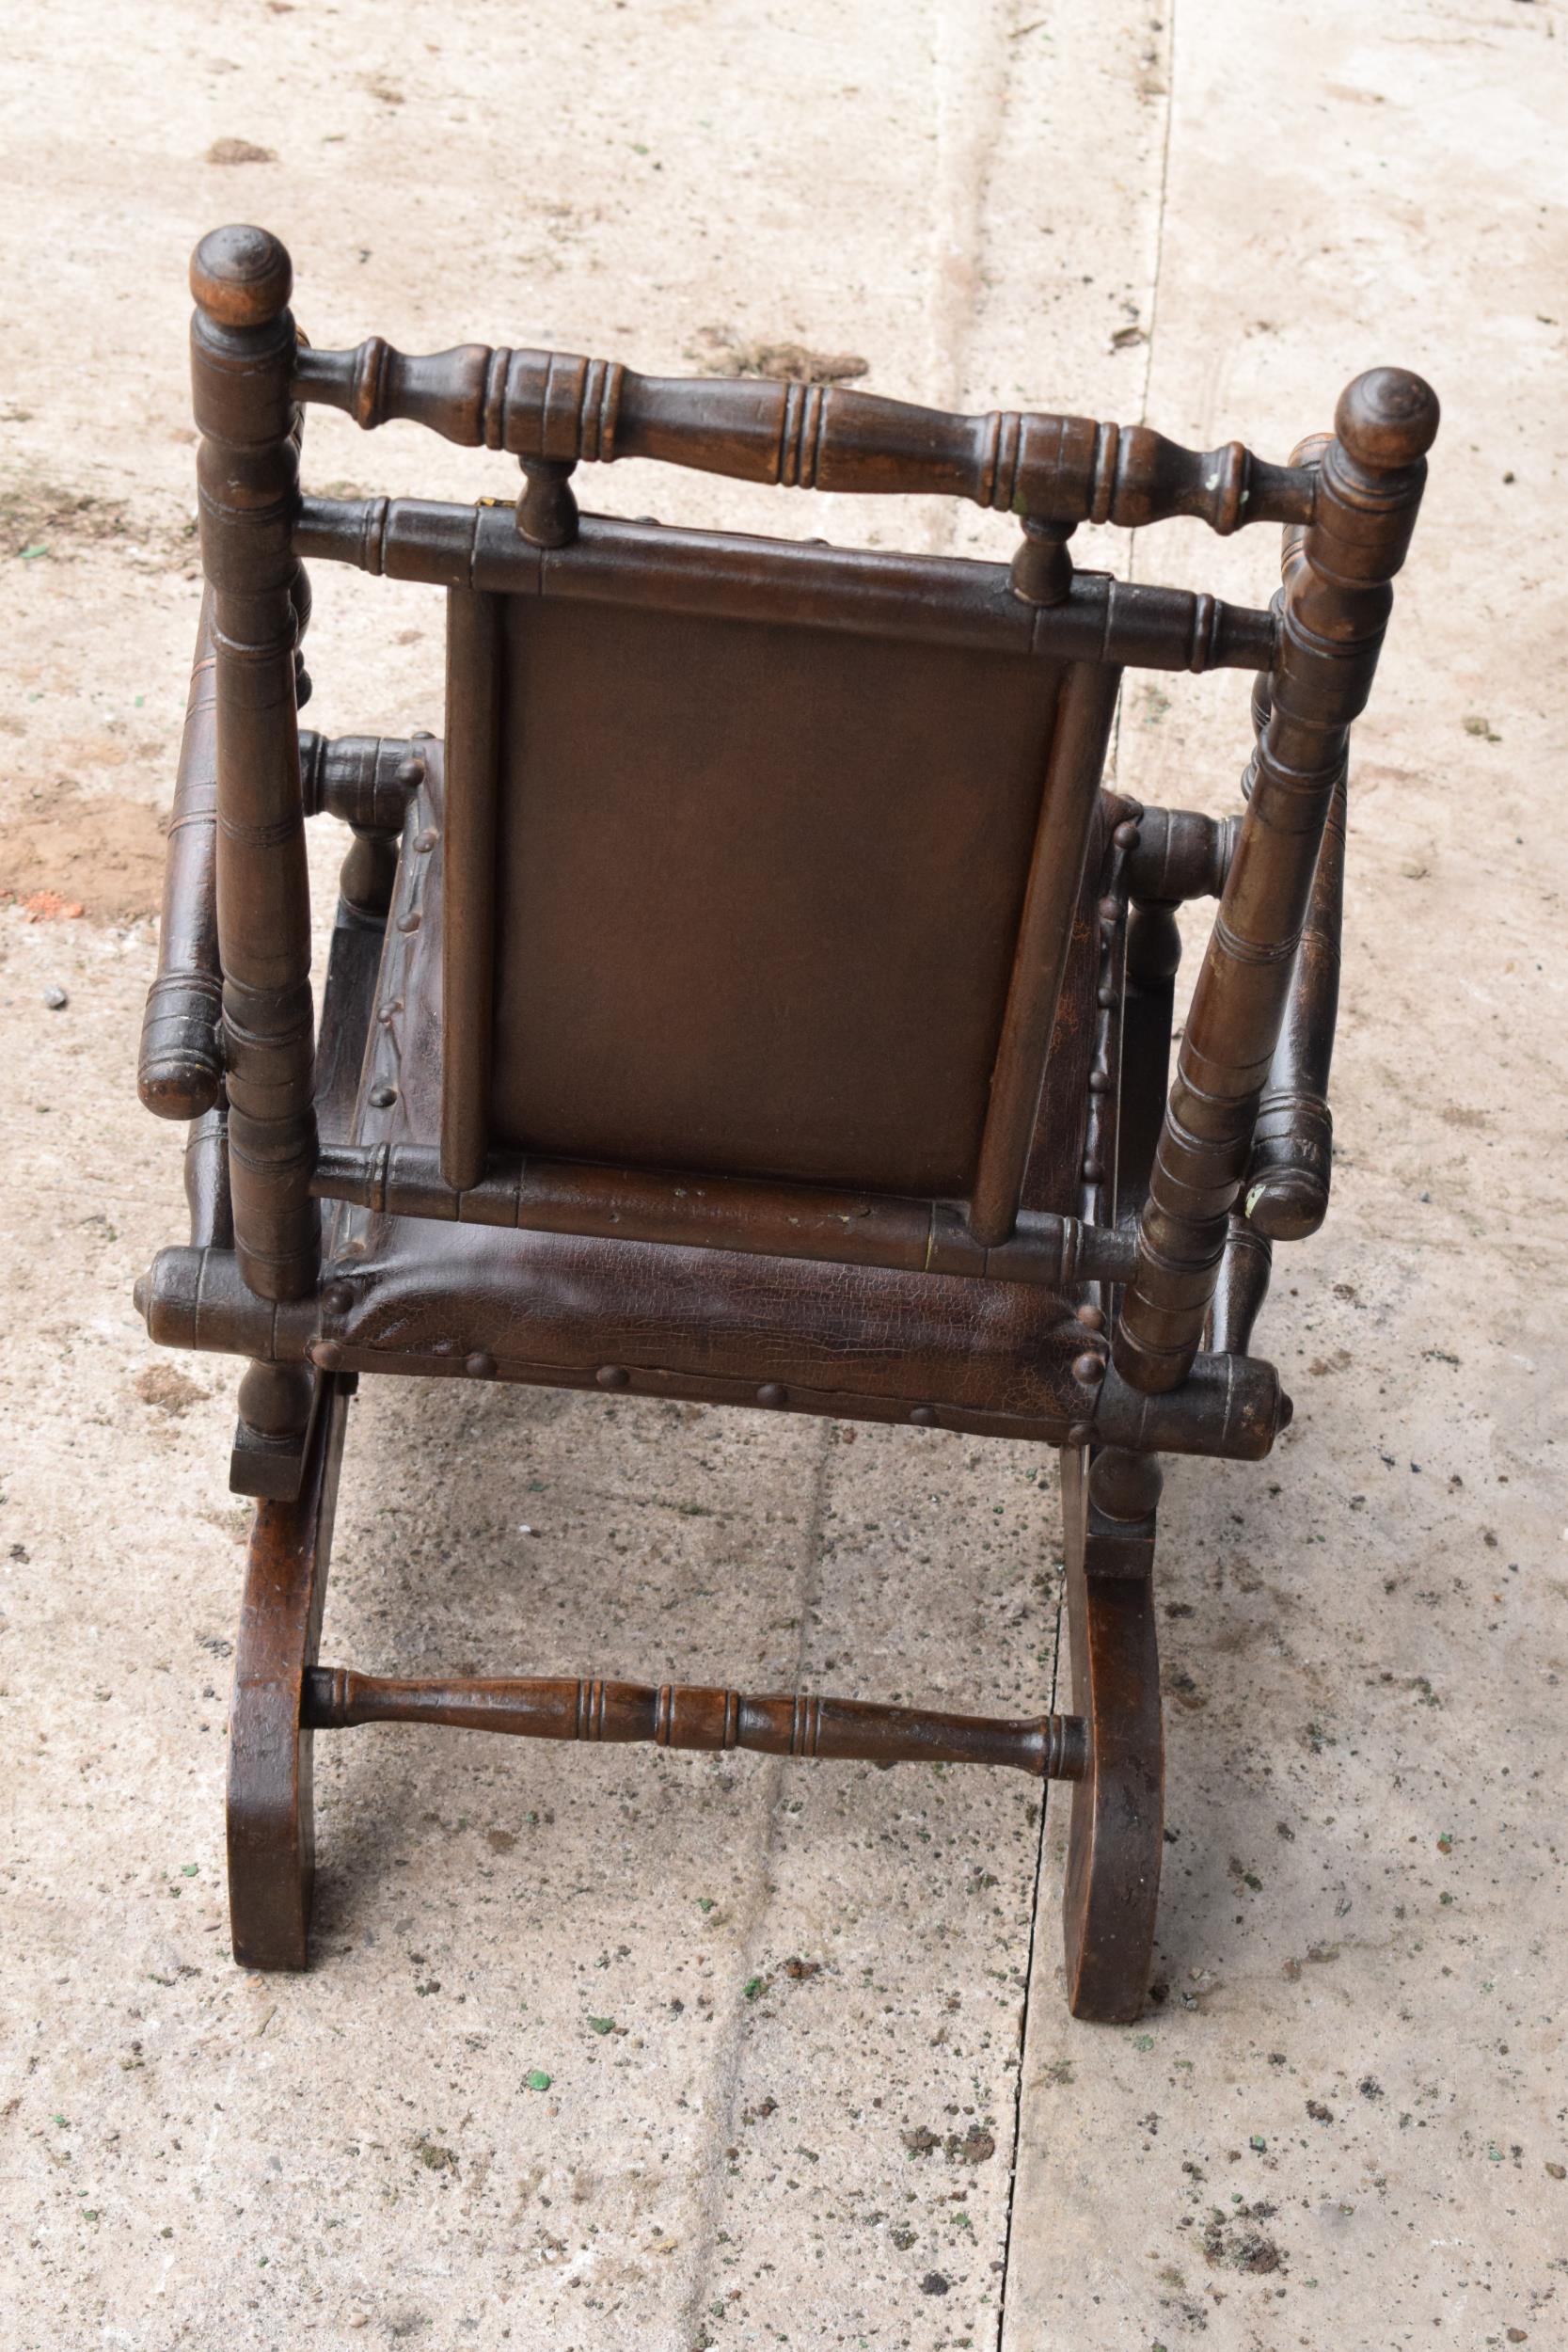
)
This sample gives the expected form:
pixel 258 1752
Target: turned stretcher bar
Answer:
pixel 1051 1747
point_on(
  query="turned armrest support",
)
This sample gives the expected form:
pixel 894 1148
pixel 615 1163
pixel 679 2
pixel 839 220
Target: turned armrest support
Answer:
pixel 555 409
pixel 179 1072
pixel 1286 1194
pixel 1179 855
pixel 207 1197
pixel 363 780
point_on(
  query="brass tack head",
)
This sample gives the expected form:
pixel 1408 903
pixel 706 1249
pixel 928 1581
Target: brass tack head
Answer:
pixel 1110 910
pixel 1088 1370
pixel 389 1011
pixel 410 774
pixel 1100 1082
pixel 1092 1318
pixel 1105 998
pixel 480 1365
pixel 612 1377
pixel 336 1298
pixel 1082 1433
pixel 1093 1170
pixel 772 1392
pixel 408 922
pixel 1127 835
pixel 924 1416
pixel 327 1353
pixel 381 1098
pixel 424 842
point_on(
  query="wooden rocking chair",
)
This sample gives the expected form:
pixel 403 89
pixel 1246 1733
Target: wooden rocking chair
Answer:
pixel 753 997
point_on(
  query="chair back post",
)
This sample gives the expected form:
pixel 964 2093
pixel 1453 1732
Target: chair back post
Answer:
pixel 1335 606
pixel 243 356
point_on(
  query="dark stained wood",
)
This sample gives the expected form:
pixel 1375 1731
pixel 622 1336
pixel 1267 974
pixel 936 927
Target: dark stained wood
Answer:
pixel 1039 955
pixel 1338 598
pixel 553 406
pixel 766 1010
pixel 757 906
pixel 242 358
pixel 1291 1164
pixel 719 1328
pixel 1241 1287
pixel 1051 1747
pixel 271 1823
pixel 180 1074
pixel 704 574
pixel 206 1172
pixel 1114 1842
pixel 723 1213
pixel 468 935
pixel 363 780
pixel 1178 854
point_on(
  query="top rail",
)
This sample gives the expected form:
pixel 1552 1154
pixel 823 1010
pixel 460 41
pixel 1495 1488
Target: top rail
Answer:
pixel 553 408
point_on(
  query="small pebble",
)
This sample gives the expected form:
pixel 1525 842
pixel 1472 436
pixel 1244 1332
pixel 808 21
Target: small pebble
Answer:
pixel 57 999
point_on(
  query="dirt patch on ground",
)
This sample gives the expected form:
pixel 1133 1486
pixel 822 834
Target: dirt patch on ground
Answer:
pixel 102 857
pixel 168 1389
pixel 721 351
pixel 42 519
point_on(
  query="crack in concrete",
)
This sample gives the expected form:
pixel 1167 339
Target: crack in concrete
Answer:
pixel 728 2066
pixel 972 75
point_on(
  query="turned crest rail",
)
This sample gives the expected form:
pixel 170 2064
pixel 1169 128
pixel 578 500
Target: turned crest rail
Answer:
pixel 552 408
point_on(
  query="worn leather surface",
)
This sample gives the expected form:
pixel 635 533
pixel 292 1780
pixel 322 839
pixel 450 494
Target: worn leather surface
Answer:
pixel 758 887
pixel 431 1297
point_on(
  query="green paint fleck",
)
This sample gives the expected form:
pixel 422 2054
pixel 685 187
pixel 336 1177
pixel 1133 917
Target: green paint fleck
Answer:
pixel 752 1986
pixel 536 2079
pixel 1144 2041
pixel 602 2024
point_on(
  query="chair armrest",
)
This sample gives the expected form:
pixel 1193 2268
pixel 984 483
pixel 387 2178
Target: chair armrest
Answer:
pixel 180 1073
pixel 1287 1187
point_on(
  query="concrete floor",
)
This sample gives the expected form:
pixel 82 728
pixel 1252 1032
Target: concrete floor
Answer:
pixel 734 2053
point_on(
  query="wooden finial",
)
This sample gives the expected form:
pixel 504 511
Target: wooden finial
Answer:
pixel 241 276
pixel 1386 419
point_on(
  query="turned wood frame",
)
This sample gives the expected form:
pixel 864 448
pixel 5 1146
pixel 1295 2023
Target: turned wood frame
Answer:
pixel 1241 1159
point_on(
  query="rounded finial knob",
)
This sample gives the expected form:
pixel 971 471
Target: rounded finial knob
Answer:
pixel 1387 418
pixel 241 276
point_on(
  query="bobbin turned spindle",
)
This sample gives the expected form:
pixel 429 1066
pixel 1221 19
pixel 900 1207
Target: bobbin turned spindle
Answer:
pixel 242 349
pixel 1336 605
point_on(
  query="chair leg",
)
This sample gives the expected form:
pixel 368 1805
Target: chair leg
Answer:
pixel 271 1828
pixel 1113 1851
